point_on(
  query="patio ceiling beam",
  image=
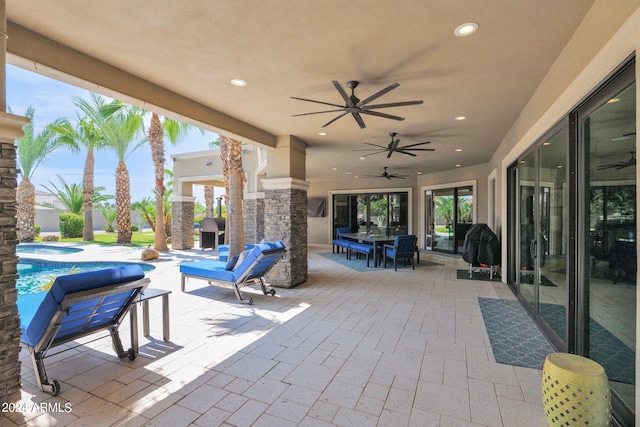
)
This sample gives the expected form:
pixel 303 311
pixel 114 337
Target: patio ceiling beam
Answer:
pixel 32 51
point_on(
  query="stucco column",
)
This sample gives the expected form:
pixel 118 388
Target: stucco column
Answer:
pixel 182 231
pixel 10 130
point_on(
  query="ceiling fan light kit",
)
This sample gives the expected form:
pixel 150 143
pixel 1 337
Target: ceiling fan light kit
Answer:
pixel 355 106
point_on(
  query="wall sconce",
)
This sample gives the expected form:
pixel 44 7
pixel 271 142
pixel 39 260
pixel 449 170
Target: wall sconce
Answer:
pixel 209 163
pixel 175 159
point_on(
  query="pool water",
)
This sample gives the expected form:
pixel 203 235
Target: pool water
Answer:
pixel 45 249
pixel 35 273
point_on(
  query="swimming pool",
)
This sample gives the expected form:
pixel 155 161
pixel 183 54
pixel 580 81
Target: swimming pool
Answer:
pixel 35 273
pixel 37 248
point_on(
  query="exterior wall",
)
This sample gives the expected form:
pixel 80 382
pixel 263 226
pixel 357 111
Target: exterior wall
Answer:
pixel 319 228
pixel 48 218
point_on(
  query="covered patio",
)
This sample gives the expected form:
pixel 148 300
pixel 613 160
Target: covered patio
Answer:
pixel 344 348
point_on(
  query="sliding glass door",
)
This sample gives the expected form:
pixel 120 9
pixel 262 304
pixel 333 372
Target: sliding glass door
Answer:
pixel 372 213
pixel 449 213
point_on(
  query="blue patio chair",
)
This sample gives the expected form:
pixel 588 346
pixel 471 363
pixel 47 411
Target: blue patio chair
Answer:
pixel 403 248
pixel 341 243
pixel 236 272
pixel 78 305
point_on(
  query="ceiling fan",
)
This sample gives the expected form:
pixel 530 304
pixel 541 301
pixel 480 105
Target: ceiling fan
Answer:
pixel 393 147
pixel 621 165
pixel 355 107
pixel 387 175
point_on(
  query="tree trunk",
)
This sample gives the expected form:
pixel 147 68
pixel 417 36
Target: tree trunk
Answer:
pixel 231 154
pixel 208 200
pixel 26 213
pixel 123 204
pixel 87 190
pixel 156 140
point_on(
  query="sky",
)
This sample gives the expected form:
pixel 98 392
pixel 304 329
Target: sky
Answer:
pixel 51 100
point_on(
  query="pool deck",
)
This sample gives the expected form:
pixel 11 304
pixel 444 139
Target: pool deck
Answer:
pixel 345 348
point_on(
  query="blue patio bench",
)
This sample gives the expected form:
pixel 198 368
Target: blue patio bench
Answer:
pixel 362 248
pixel 341 243
pixel 239 271
pixel 78 305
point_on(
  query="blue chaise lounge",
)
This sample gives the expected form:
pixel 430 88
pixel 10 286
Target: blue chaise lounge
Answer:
pixel 78 305
pixel 239 271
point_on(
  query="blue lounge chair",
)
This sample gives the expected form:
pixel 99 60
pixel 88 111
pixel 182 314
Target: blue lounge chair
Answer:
pixel 78 305
pixel 251 268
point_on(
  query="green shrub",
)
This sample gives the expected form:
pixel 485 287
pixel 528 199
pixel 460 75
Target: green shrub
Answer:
pixel 70 225
pixel 134 227
pixel 37 228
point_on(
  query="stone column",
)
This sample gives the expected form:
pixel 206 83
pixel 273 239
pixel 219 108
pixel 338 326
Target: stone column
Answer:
pixel 253 217
pixel 182 231
pixel 285 213
pixel 10 130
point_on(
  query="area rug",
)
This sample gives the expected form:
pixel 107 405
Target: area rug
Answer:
pixel 515 338
pixel 361 264
pixel 477 275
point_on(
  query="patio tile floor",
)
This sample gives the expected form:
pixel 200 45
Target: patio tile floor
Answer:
pixel 405 348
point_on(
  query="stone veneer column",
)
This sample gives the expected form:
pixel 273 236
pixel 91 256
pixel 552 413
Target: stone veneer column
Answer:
pixel 10 130
pixel 253 217
pixel 285 213
pixel 182 231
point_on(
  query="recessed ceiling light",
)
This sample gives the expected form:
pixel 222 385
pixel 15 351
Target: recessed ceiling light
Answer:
pixel 419 173
pixel 612 100
pixel 322 133
pixel 560 166
pixel 458 166
pixel 361 158
pixel 546 143
pixel 460 118
pixel 458 149
pixel 466 29
pixel 335 169
pixel 238 82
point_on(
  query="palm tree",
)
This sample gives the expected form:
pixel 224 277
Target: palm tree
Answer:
pixel 174 130
pixel 119 124
pixel 72 196
pixel 32 151
pixel 231 155
pixel 146 210
pixel 85 134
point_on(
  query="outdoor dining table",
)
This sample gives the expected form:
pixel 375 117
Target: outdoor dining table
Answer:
pixel 377 240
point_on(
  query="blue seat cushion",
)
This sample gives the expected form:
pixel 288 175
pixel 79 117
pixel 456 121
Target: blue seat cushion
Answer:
pixel 361 247
pixel 208 269
pixel 37 310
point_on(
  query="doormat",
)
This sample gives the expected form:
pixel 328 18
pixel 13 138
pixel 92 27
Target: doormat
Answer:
pixel 515 339
pixel 477 275
pixel 361 264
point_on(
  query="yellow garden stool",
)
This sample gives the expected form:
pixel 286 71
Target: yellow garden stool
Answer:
pixel 575 391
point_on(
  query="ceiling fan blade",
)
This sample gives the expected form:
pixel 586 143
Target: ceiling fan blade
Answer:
pixel 392 104
pixel 317 102
pixel 376 145
pixel 386 116
pixel 378 94
pixel 418 149
pixel 316 112
pixel 397 176
pixel 390 153
pixel 342 93
pixel 334 119
pixel 405 153
pixel 371 154
pixel 359 120
pixel 415 145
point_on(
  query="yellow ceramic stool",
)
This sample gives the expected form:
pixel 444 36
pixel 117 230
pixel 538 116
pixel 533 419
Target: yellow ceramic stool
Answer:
pixel 575 391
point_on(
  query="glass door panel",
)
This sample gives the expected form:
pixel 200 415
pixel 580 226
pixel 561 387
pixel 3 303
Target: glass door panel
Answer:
pixel 429 220
pixel 378 213
pixel 527 235
pixel 464 210
pixel 444 201
pixel 609 135
pixel 398 215
pixel 553 230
